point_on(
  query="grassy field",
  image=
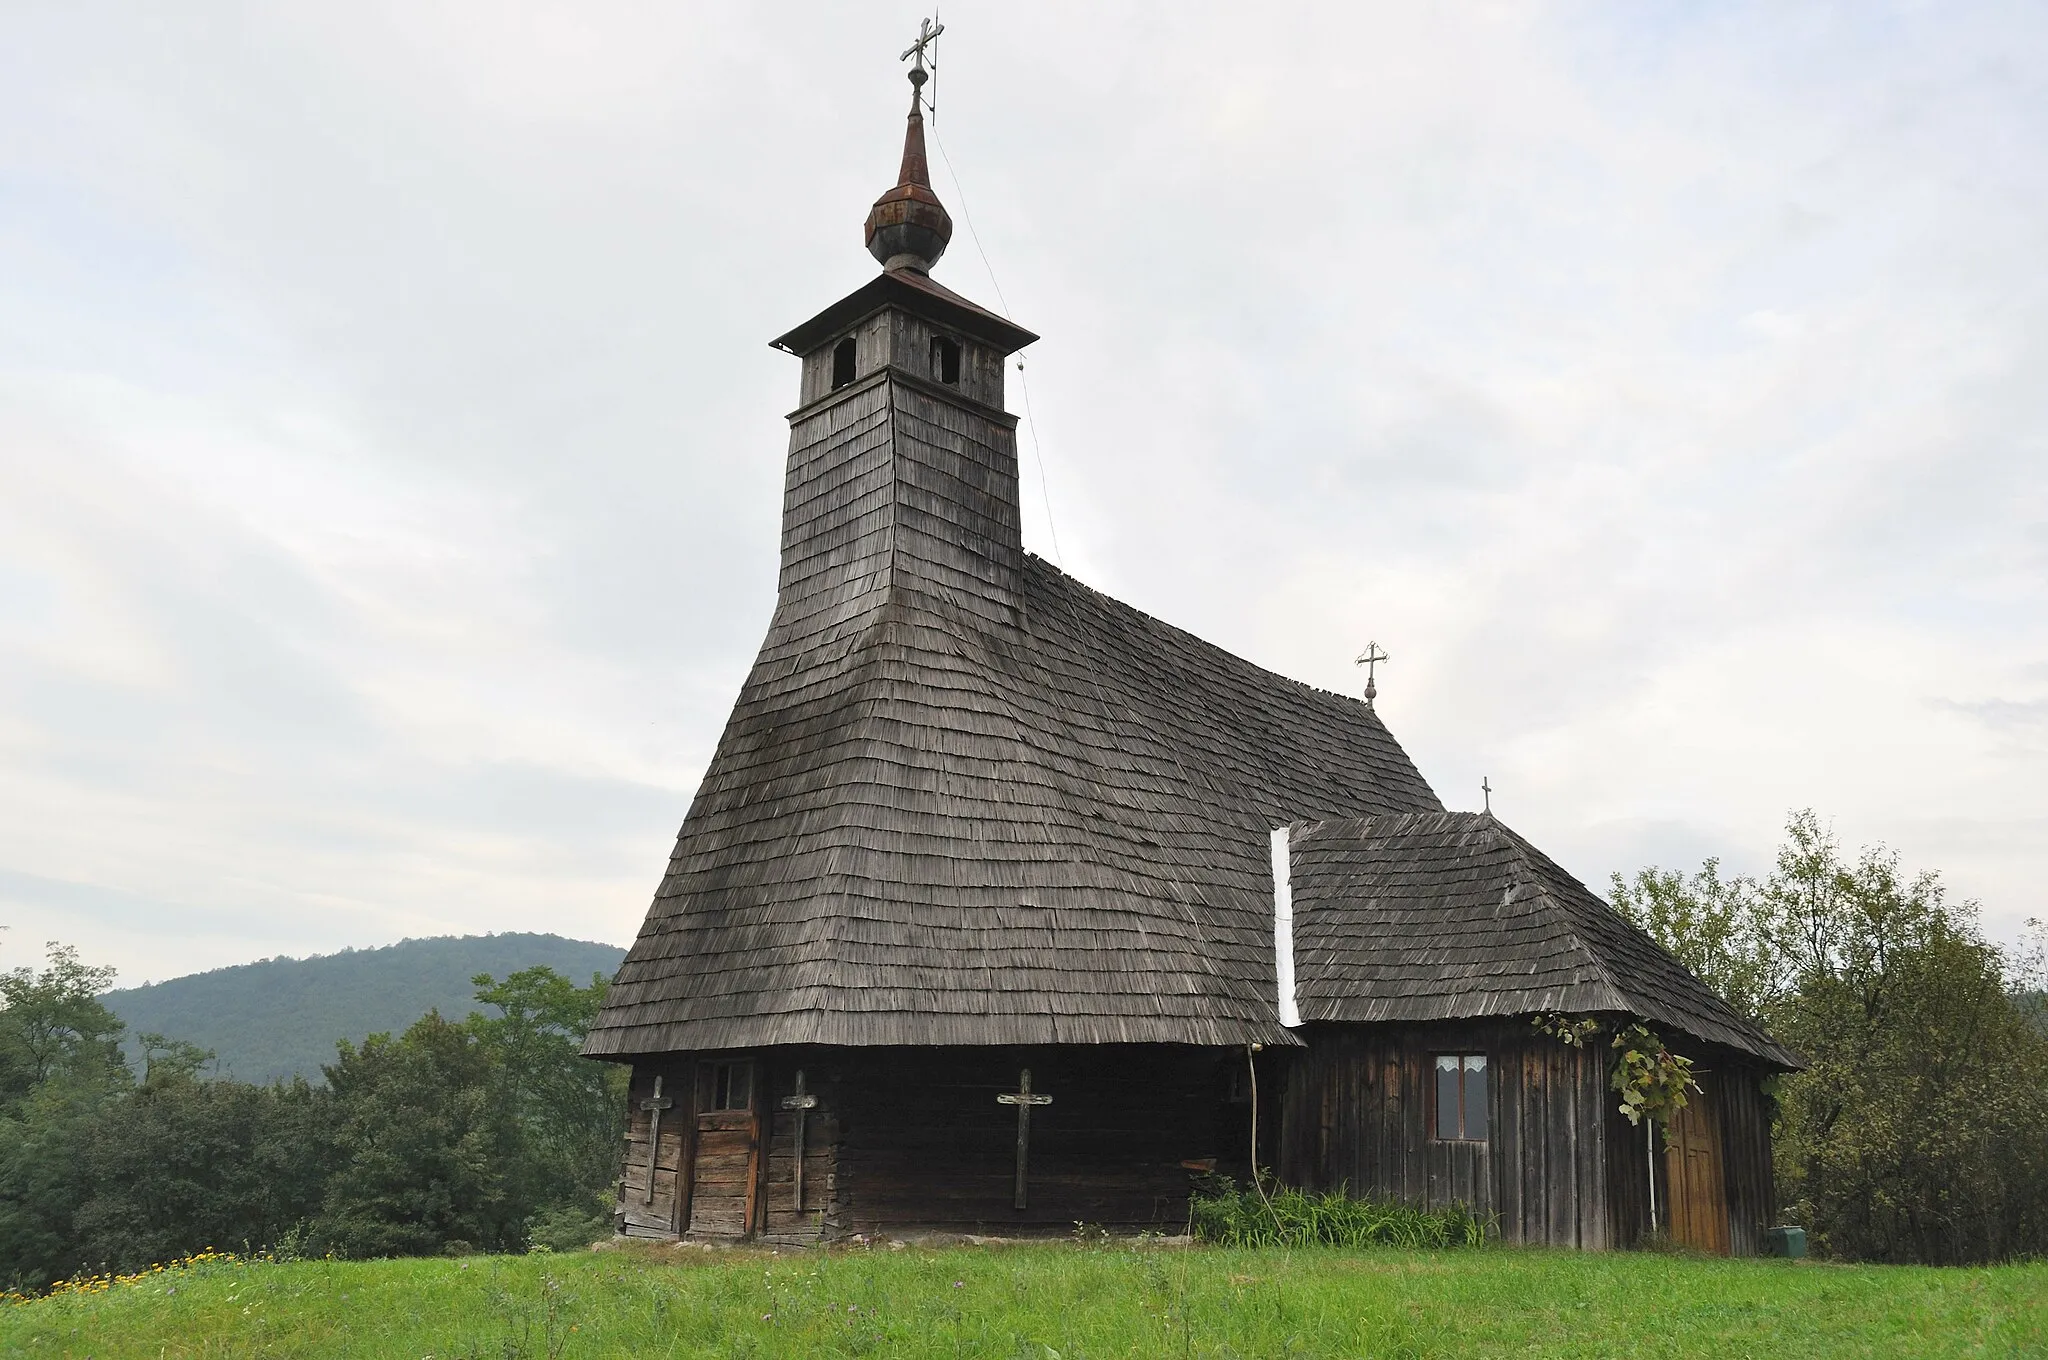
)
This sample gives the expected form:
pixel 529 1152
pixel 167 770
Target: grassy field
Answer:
pixel 1043 1301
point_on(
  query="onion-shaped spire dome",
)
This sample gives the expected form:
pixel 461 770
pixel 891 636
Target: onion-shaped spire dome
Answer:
pixel 908 228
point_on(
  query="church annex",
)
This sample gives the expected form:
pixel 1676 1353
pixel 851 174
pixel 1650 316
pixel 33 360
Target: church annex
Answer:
pixel 1003 905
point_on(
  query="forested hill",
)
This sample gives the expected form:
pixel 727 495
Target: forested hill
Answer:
pixel 282 1016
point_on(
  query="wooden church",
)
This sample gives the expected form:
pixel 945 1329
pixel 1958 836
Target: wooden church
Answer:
pixel 1004 906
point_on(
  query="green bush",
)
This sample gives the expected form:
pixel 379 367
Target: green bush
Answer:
pixel 1229 1215
pixel 570 1227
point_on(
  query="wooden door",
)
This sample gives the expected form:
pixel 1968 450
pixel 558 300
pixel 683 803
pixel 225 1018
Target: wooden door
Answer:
pixel 728 1149
pixel 1692 1161
pixel 653 1179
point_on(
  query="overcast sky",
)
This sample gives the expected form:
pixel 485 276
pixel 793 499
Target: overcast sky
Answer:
pixel 391 451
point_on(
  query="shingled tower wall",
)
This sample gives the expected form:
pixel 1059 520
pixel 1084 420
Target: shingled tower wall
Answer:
pixel 898 481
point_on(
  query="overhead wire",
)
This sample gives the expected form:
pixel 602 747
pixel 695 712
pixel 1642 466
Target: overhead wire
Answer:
pixel 1093 664
pixel 1023 380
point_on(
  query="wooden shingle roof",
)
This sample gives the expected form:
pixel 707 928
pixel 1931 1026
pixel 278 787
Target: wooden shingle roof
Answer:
pixel 932 827
pixel 1451 915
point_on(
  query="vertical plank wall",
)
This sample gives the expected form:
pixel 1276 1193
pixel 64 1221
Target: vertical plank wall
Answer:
pixel 1745 1113
pixel 1358 1111
pixel 822 1216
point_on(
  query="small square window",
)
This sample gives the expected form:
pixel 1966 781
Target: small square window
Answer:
pixel 729 1086
pixel 1461 1097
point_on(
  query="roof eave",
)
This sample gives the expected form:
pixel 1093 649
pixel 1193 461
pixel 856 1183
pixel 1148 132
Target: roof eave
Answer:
pixel 916 294
pixel 1453 1010
pixel 852 1030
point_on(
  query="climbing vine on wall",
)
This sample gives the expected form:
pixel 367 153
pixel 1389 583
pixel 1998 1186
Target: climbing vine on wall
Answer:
pixel 1651 1080
pixel 1573 1032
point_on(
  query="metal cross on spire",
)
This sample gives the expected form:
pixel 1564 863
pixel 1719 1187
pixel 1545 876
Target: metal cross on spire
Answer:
pixel 1486 788
pixel 928 31
pixel 927 36
pixel 1369 658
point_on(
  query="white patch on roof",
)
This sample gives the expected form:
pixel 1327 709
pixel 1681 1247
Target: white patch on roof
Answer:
pixel 1283 926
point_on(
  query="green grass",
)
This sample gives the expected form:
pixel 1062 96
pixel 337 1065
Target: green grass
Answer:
pixel 1224 1213
pixel 1044 1301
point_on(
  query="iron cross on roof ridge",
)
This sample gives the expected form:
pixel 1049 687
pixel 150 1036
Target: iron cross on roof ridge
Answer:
pixel 1370 658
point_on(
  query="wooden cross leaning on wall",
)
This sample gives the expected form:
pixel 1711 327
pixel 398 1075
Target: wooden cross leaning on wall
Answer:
pixel 1023 1099
pixel 654 1105
pixel 802 1102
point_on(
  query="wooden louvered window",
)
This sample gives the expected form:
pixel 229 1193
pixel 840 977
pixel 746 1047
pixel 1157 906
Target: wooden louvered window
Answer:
pixel 1461 1097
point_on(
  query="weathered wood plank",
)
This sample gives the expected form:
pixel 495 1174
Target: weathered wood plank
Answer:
pixel 1559 1166
pixel 1511 1086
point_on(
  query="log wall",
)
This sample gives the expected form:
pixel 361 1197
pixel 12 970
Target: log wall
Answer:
pixel 908 1139
pixel 635 1215
pixel 915 1140
pixel 925 1144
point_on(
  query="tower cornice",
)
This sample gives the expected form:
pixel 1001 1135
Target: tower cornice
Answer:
pixel 914 293
pixel 915 381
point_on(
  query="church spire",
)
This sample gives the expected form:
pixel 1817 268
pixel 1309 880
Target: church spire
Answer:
pixel 908 227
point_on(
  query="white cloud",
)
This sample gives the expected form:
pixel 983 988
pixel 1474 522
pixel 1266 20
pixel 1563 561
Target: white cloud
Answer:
pixel 390 453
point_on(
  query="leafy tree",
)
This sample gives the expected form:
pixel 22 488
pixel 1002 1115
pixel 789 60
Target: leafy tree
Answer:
pixel 569 1112
pixel 1728 931
pixel 1919 1131
pixel 166 1060
pixel 53 1024
pixel 60 1069
pixel 42 1145
pixel 491 1132
pixel 185 1163
pixel 425 1148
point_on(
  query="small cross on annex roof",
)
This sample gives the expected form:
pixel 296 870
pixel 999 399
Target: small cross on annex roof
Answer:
pixel 1370 658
